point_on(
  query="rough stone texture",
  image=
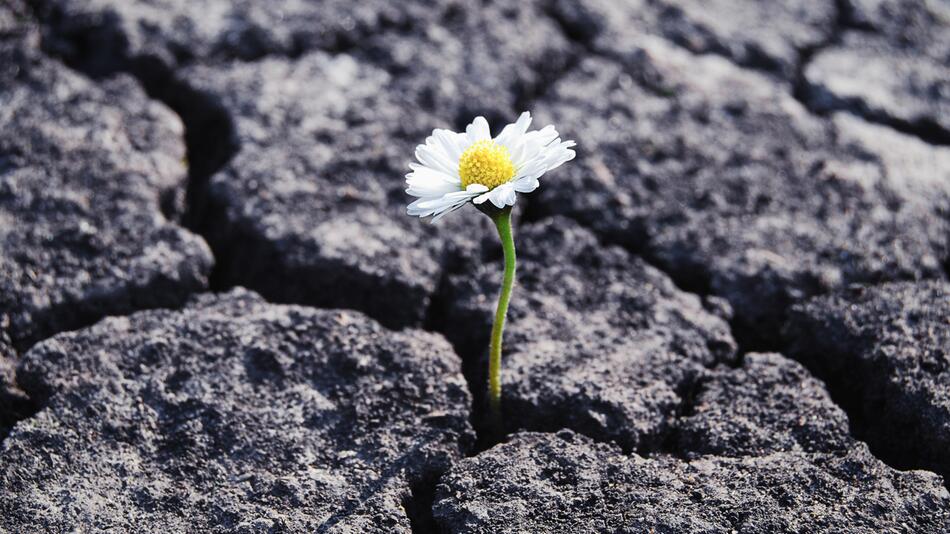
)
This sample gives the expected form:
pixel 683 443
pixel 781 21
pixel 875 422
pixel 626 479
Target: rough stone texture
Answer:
pixel 308 205
pixel 767 35
pixel 597 340
pixel 565 483
pixel 179 31
pixel 769 404
pixel 885 351
pixel 14 404
pixel 729 184
pixel 8 390
pixel 232 415
pixel 915 172
pixel 600 342
pixel 892 68
pixel 311 208
pixel 15 20
pixel 84 171
pixel 489 58
pixel 461 58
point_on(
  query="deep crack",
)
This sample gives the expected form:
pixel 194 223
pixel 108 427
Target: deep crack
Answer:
pixel 473 348
pixel 925 129
pixel 98 53
pixel 419 504
pixel 15 404
pixel 211 143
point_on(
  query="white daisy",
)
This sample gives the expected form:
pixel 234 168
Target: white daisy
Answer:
pixel 455 168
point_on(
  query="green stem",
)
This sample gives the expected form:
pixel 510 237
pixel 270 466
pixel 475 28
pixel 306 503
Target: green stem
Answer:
pixel 502 221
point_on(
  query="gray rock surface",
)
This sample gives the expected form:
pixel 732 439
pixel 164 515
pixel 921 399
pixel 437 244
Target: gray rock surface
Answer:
pixel 311 208
pixel 15 20
pixel 885 351
pixel 232 415
pixel 84 172
pixel 751 151
pixel 179 31
pixel 597 340
pixel 730 185
pixel 891 68
pixel 14 404
pixel 460 58
pixel 488 58
pixel 565 483
pixel 768 404
pixel 600 342
pixel 767 35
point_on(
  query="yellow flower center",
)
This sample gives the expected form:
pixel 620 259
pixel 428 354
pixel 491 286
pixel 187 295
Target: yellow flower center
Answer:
pixel 485 163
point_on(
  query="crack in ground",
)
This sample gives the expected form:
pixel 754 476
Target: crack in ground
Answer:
pixel 800 85
pixel 688 392
pixel 18 405
pixel 15 404
pixel 836 387
pixel 208 141
pixel 695 280
pixel 96 44
pixel 209 133
pixel 473 348
pixel 163 87
pixel 851 400
pixel 210 144
pixel 436 313
pixel 747 343
pixel 925 129
pixel 419 504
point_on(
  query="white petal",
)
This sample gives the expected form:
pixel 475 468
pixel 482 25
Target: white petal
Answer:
pixel 421 172
pixel 427 189
pixel 531 170
pixel 424 208
pixel 428 182
pixel 503 195
pixel 448 211
pixel 511 133
pixel 547 158
pixel 476 188
pixel 531 144
pixel 544 135
pixel 446 199
pixel 556 155
pixel 452 144
pixel 435 158
pixel 478 130
pixel 458 202
pixel 439 205
pixel 415 210
pixel 518 152
pixel 525 185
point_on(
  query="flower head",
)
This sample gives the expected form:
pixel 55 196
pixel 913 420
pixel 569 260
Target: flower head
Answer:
pixel 471 166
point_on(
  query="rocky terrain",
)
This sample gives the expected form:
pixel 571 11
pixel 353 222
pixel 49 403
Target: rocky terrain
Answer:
pixel 732 312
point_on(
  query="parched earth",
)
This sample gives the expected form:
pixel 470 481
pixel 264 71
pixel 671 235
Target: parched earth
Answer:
pixel 732 313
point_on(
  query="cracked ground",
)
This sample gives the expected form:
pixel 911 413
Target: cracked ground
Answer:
pixel 732 313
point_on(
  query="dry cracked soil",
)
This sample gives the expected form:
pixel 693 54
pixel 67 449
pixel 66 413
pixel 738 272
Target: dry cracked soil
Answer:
pixel 732 312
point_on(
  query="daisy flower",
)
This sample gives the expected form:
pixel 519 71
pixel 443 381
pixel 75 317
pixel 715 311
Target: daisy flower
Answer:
pixel 471 166
pixel 457 168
